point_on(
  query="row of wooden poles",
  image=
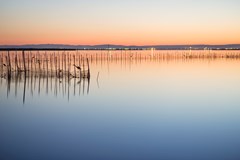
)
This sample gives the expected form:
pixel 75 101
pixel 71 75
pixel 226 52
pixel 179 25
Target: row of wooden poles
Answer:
pixel 50 64
pixel 74 64
pixel 148 55
pixel 165 55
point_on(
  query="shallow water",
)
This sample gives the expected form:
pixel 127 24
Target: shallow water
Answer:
pixel 134 109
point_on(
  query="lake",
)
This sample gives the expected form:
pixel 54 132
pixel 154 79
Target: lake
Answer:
pixel 136 105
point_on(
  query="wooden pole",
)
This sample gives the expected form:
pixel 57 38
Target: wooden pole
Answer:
pixel 56 65
pixel 79 64
pixel 47 66
pixel 1 62
pixel 51 63
pixel 74 65
pixel 39 63
pixel 28 62
pixel 68 66
pixel 6 59
pixel 16 63
pixel 65 66
pixel 9 63
pixel 88 75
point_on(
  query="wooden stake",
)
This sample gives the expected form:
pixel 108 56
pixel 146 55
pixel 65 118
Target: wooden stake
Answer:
pixel 88 75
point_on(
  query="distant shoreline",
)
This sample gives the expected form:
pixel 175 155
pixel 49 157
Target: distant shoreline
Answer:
pixel 117 47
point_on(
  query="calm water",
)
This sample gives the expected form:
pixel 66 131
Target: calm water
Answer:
pixel 134 109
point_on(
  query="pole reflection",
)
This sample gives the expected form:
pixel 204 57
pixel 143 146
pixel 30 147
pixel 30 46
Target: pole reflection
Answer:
pixel 45 83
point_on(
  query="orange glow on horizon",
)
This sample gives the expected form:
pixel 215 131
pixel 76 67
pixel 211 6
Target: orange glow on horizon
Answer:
pixel 156 36
pixel 128 23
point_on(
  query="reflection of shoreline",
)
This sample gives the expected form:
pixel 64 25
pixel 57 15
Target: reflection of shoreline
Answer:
pixel 49 84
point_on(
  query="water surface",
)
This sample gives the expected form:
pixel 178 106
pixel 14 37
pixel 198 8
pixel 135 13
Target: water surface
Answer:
pixel 129 109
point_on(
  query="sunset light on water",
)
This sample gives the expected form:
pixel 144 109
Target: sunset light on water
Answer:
pixel 119 80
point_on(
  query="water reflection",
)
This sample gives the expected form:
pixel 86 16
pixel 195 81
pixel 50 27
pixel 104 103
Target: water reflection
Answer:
pixel 146 108
pixel 49 84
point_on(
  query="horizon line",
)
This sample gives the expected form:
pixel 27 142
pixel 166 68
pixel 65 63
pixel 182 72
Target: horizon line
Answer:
pixel 118 44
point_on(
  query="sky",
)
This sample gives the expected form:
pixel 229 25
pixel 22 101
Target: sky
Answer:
pixel 126 22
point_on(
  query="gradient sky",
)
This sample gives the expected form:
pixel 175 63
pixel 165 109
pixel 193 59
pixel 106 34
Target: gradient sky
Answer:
pixel 128 22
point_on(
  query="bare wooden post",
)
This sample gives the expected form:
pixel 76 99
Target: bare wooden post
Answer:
pixel 88 74
pixel 46 62
pixel 28 62
pixel 47 65
pixel 81 58
pixel 16 62
pixel 65 66
pixel 56 65
pixel 59 64
pixel 9 63
pixel 31 59
pixel 35 67
pixel 24 64
pixel 70 63
pixel 51 63
pixel 83 68
pixel 43 59
pixel 1 63
pixel 6 65
pixel 39 63
pixel 74 65
pixel 68 66
pixel 80 76
pixel 62 62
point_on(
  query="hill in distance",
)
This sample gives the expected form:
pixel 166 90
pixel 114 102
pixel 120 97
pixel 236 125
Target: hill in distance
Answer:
pixel 106 46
